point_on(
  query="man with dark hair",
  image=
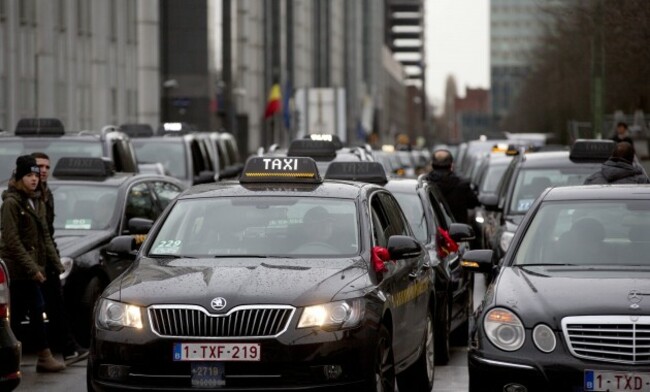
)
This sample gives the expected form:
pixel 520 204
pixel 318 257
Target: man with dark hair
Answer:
pixel 621 134
pixel 456 190
pixel 52 289
pixel 619 168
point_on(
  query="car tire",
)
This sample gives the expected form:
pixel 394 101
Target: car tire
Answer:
pixel 420 375
pixel 442 333
pixel 90 296
pixel 383 369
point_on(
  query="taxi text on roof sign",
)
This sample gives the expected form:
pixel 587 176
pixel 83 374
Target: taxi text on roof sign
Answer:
pixel 592 150
pixel 372 172
pixel 265 169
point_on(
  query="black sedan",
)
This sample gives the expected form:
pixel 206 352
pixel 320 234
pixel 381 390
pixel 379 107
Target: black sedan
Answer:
pixel 568 309
pixel 433 225
pixel 277 282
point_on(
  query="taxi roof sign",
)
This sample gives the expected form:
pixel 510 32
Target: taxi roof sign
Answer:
pixel 372 172
pixel 592 150
pixel 328 137
pixel 319 150
pixel 39 127
pixel 270 169
pixel 83 167
pixel 137 130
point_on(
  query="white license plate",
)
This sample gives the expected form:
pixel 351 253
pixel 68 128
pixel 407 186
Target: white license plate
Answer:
pixel 611 381
pixel 217 352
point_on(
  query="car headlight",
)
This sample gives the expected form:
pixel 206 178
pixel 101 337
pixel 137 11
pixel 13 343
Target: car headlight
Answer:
pixel 505 240
pixel 68 263
pixel 339 314
pixel 544 338
pixel 117 315
pixel 504 329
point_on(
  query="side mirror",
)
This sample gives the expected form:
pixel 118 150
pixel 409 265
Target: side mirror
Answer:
pixel 477 260
pixel 460 232
pixel 229 172
pixel 489 201
pixel 122 246
pixel 140 225
pixel 403 247
pixel 204 177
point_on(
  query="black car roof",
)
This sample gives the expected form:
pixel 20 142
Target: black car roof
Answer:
pixel 329 188
pixel 599 192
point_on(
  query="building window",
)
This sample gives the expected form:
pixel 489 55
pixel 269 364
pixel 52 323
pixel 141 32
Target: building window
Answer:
pixel 131 22
pixel 83 18
pixel 3 10
pixel 23 12
pixel 62 21
pixel 113 20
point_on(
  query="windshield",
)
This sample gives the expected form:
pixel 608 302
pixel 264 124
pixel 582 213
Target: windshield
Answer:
pixel 414 212
pixel 54 148
pixel 492 177
pixel 585 233
pixel 83 207
pixel 171 155
pixel 259 227
pixel 532 182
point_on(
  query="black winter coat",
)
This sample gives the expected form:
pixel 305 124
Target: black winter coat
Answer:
pixel 616 171
pixel 457 191
pixel 25 244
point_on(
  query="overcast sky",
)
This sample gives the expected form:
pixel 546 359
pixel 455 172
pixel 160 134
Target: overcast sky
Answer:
pixel 458 44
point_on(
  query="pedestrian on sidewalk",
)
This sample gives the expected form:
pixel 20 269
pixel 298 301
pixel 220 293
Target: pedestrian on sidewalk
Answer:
pixel 59 325
pixel 27 249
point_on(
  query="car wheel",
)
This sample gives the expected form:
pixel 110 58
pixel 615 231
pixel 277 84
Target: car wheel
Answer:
pixel 383 375
pixel 442 332
pixel 419 376
pixel 91 294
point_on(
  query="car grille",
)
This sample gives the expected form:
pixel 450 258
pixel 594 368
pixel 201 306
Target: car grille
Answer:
pixel 622 339
pixel 188 321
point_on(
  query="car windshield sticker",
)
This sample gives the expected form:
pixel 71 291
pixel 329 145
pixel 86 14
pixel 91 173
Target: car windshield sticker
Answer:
pixel 170 247
pixel 79 224
pixel 524 204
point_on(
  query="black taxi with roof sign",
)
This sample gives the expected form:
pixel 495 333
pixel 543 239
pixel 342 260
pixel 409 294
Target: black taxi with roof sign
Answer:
pixel 92 205
pixel 278 281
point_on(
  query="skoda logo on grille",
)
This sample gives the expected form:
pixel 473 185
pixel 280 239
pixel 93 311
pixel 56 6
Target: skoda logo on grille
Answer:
pixel 218 303
pixel 635 297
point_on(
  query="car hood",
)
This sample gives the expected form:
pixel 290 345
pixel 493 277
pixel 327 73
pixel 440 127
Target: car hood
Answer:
pixel 240 281
pixel 547 294
pixel 72 243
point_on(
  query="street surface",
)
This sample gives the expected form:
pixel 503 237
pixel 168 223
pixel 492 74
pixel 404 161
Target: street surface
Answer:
pixel 450 378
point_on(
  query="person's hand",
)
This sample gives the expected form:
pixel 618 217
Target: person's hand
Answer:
pixel 39 277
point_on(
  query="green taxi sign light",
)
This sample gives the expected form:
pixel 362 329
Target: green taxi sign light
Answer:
pixel 269 169
pixel 592 150
pixel 372 172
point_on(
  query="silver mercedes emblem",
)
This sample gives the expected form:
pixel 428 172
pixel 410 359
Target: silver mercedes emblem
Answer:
pixel 218 303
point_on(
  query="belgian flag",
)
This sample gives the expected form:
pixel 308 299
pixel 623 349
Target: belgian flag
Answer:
pixel 274 103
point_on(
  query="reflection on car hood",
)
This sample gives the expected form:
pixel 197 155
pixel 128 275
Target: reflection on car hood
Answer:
pixel 240 281
pixel 72 243
pixel 547 294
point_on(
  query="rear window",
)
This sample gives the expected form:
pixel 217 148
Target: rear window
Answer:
pixel 171 155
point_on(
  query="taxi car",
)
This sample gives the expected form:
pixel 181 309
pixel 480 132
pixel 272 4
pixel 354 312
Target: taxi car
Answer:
pixel 92 205
pixel 48 135
pixel 526 177
pixel 432 225
pixel 568 309
pixel 10 347
pixel 280 281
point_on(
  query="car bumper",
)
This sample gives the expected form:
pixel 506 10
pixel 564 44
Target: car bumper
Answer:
pixel 297 360
pixel 541 373
pixel 10 352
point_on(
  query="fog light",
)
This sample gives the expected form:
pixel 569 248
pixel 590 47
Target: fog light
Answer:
pixel 113 372
pixel 515 388
pixel 332 372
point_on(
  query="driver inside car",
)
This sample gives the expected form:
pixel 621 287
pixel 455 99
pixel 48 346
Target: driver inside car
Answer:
pixel 317 229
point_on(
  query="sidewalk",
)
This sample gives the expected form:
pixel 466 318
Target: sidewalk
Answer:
pixel 73 378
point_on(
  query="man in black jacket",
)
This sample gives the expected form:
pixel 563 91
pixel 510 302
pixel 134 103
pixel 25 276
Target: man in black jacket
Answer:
pixel 619 168
pixel 456 190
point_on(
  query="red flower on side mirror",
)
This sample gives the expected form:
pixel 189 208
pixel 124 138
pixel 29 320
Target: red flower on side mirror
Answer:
pixel 379 257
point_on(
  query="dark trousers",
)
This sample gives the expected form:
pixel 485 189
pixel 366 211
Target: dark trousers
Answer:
pixel 58 326
pixel 27 299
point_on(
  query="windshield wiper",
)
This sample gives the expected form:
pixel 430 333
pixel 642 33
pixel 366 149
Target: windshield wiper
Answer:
pixel 240 256
pixel 169 256
pixel 547 265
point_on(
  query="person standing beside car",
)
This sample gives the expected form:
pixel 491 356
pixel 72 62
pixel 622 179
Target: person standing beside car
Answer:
pixel 456 190
pixel 619 168
pixel 27 249
pixel 52 289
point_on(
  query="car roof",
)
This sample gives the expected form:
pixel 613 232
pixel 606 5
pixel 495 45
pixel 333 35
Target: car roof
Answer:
pixel 328 188
pixel 551 159
pixel 402 185
pixel 117 179
pixel 599 192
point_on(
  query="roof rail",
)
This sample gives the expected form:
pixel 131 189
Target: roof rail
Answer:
pixel 109 128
